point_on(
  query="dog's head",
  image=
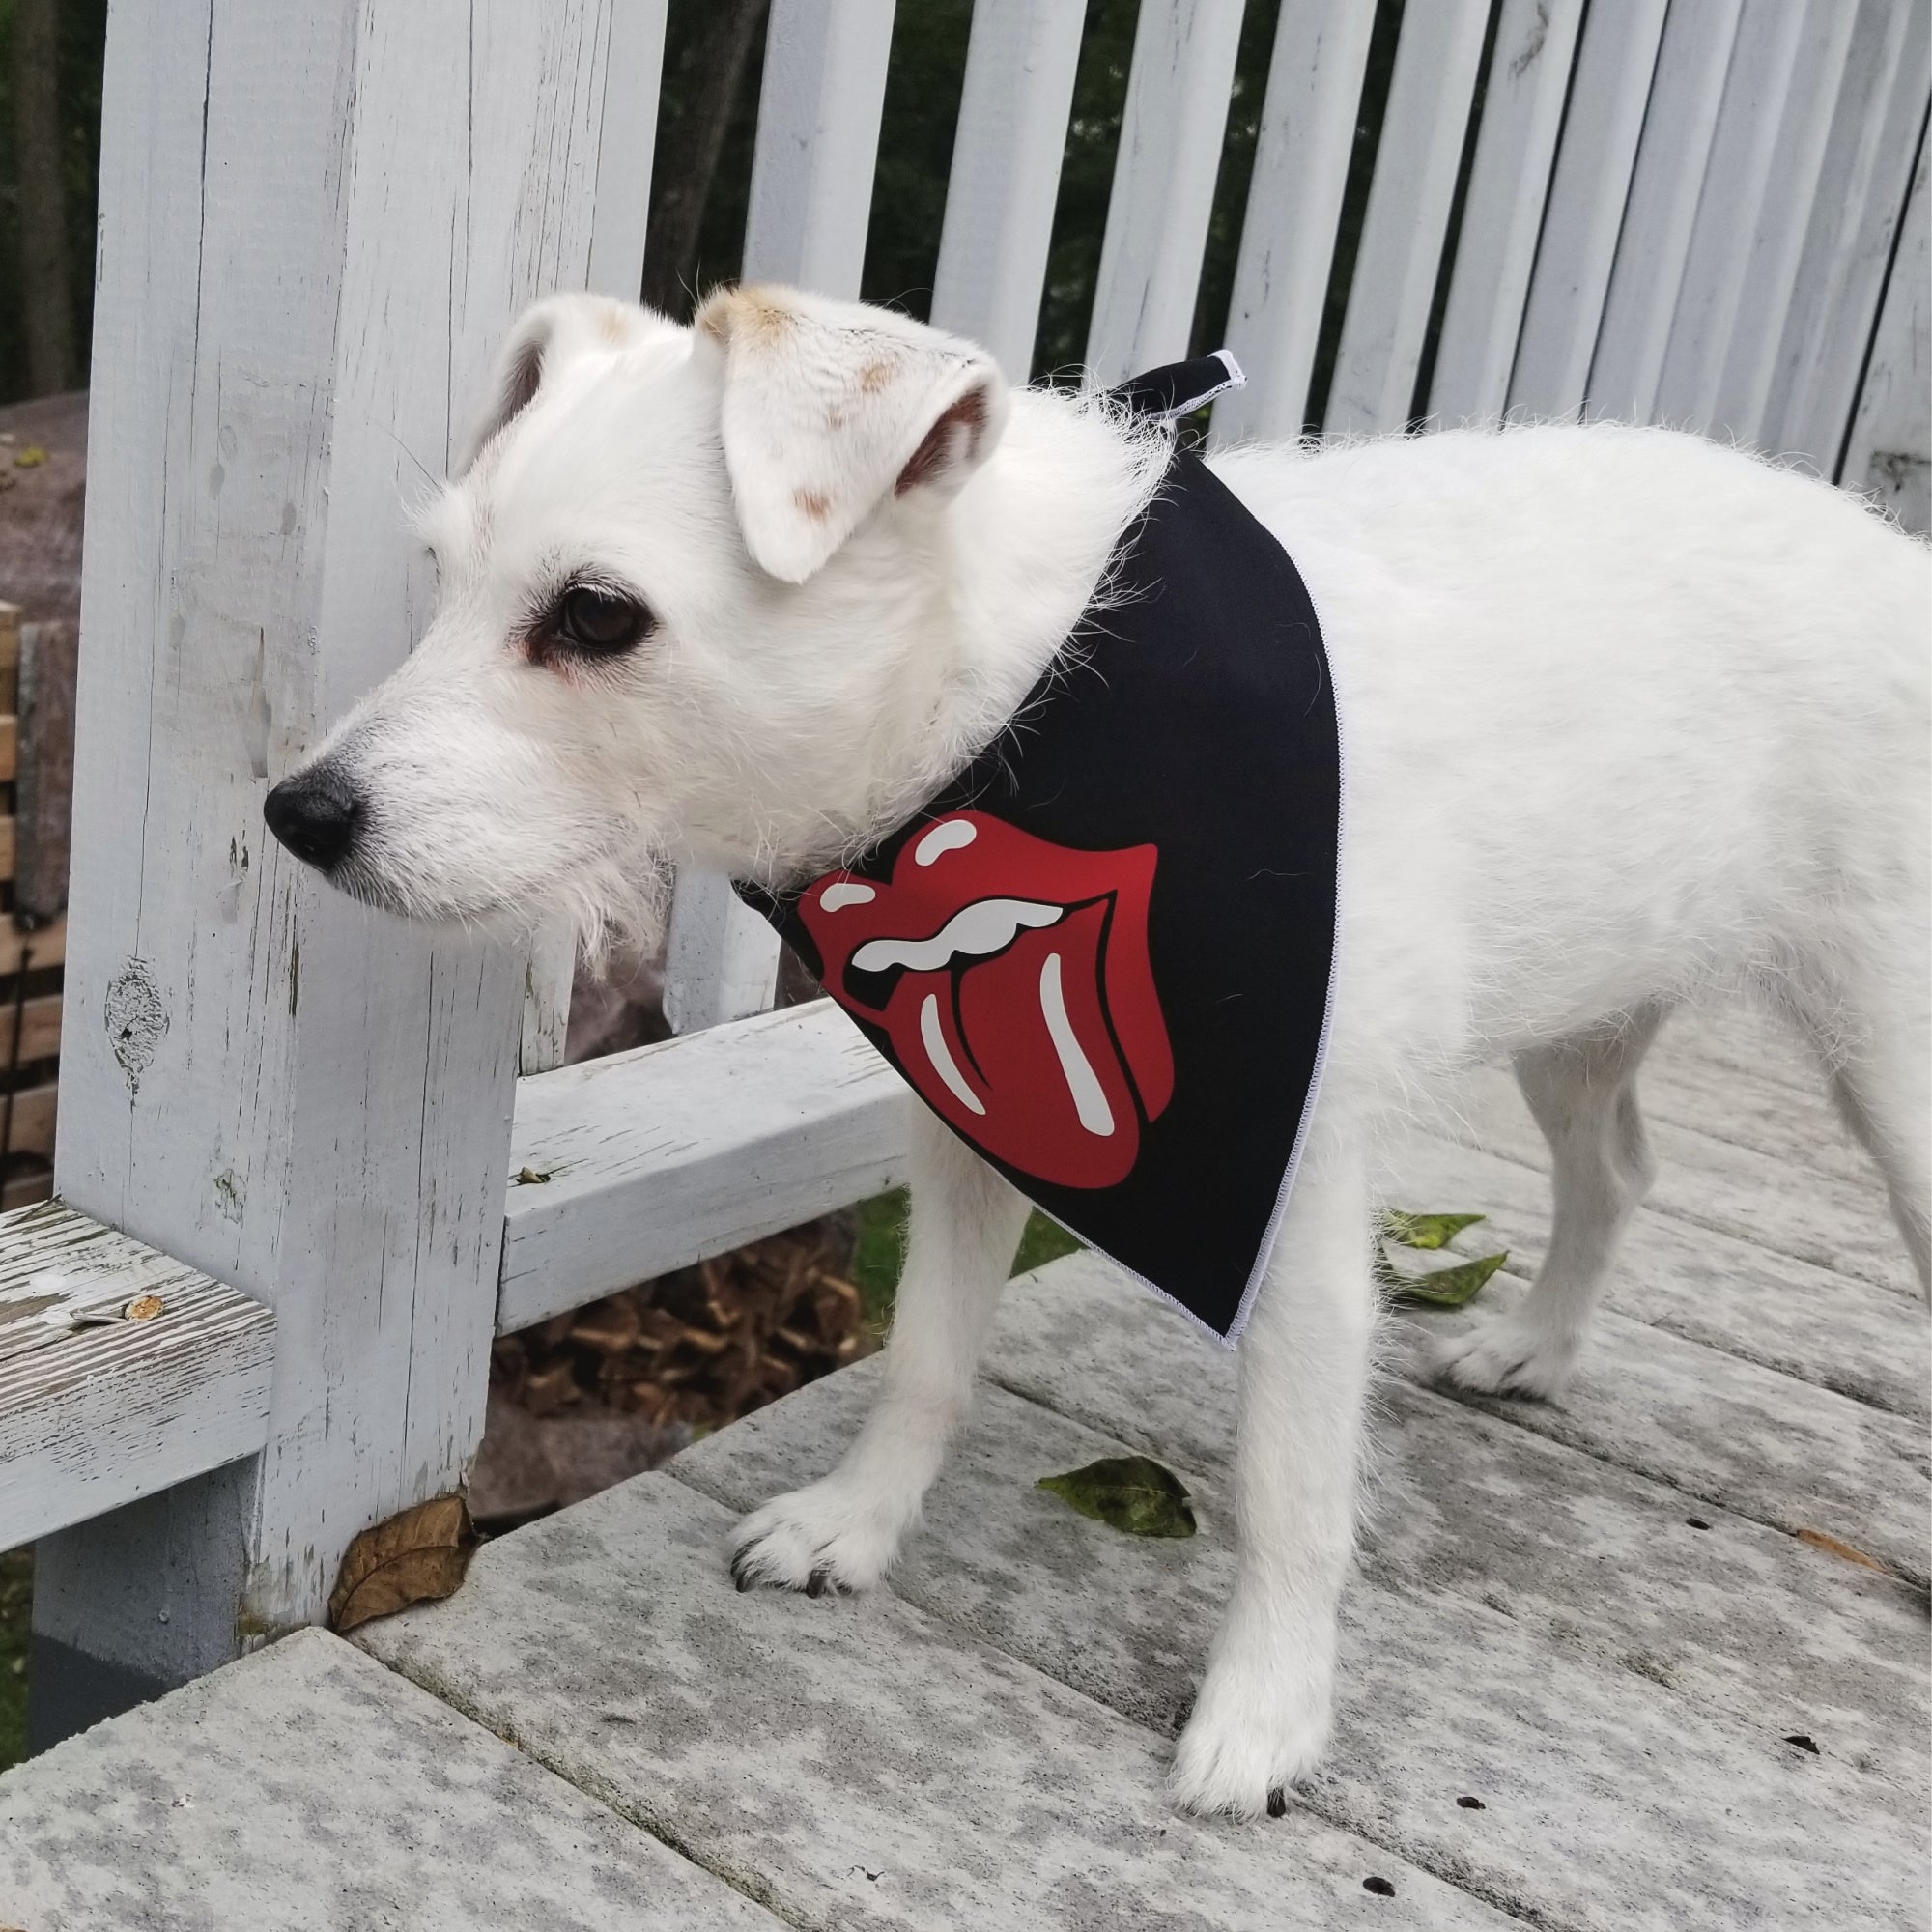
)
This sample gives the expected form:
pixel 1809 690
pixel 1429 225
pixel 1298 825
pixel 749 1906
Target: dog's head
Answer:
pixel 684 577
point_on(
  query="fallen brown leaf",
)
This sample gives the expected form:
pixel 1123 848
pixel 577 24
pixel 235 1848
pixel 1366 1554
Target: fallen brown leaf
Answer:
pixel 416 1557
pixel 1831 1546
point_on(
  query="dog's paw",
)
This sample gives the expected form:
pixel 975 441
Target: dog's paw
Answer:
pixel 826 1537
pixel 1252 1737
pixel 1505 1357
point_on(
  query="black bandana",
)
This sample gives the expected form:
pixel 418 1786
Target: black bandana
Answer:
pixel 1101 955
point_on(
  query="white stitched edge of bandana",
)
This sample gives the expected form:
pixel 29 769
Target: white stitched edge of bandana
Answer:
pixel 1236 379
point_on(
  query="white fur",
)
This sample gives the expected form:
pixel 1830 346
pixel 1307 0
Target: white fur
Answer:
pixel 1628 717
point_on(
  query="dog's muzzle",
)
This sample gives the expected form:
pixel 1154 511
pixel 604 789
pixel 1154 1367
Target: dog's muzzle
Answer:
pixel 315 814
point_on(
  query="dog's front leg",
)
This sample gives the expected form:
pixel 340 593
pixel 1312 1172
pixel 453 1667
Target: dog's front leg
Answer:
pixel 843 1531
pixel 1262 1717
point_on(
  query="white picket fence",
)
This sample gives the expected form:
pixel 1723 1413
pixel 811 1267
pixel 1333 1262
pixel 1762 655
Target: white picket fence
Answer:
pixel 317 218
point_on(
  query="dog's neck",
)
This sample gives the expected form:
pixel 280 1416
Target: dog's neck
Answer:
pixel 1004 570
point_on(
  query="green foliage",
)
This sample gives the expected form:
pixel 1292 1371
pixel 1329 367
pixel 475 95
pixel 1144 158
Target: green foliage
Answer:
pixel 1447 1288
pixel 17 1597
pixel 1043 1242
pixel 1424 1230
pixel 1451 1285
pixel 880 1252
pixel 1133 1493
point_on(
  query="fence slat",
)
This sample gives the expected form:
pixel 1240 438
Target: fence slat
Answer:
pixel 1509 185
pixel 1013 112
pixel 1163 193
pixel 1743 150
pixel 812 198
pixel 1745 377
pixel 317 220
pixel 1294 202
pixel 546 987
pixel 1587 199
pixel 1854 215
pixel 1890 450
pixel 633 76
pixel 818 143
pixel 721 957
pixel 1662 213
pixel 1430 97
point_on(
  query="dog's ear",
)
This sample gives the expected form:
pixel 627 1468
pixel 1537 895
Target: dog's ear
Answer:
pixel 554 331
pixel 829 406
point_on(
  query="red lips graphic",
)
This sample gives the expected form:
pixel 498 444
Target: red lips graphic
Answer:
pixel 1012 979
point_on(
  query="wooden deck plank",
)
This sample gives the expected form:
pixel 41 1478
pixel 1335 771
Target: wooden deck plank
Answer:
pixel 1833 1220
pixel 308 1789
pixel 1721 1429
pixel 1738 1035
pixel 95 1416
pixel 1837 1330
pixel 1730 1432
pixel 862 1764
pixel 1443 1694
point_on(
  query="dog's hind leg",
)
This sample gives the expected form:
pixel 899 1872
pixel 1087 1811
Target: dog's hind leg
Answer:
pixel 1582 1092
pixel 843 1531
pixel 1263 1714
pixel 1875 1039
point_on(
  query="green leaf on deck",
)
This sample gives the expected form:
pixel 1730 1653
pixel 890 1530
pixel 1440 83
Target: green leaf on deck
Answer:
pixel 1445 1288
pixel 1424 1230
pixel 1133 1493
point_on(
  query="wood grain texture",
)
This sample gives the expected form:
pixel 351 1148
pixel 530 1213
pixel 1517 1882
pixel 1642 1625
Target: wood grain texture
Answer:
pixel 92 1417
pixel 1744 150
pixel 44 946
pixel 818 141
pixel 1509 185
pixel 721 957
pixel 1430 95
pixel 1864 174
pixel 1660 216
pixel 43 797
pixel 40 1029
pixel 1890 450
pixel 1587 198
pixel 31 1125
pixel 658 1158
pixel 317 220
pixel 1295 201
pixel 1018 92
pixel 1791 192
pixel 1164 172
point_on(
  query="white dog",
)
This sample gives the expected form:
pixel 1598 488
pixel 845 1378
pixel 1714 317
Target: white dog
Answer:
pixel 1625 715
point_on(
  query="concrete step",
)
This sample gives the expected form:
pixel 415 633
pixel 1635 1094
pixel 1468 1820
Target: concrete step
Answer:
pixel 862 1763
pixel 307 1789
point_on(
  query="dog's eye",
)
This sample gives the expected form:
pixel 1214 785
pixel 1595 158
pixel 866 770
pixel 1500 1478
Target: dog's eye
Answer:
pixel 599 623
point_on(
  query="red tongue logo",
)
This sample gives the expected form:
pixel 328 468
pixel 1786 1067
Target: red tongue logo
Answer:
pixel 1012 979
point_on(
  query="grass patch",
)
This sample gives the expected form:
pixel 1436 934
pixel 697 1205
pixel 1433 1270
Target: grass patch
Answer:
pixel 880 1253
pixel 17 1598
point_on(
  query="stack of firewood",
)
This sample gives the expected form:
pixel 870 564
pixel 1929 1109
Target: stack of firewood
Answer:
pixel 701 1346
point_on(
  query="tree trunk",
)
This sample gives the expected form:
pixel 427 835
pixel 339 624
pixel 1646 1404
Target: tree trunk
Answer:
pixel 689 139
pixel 47 295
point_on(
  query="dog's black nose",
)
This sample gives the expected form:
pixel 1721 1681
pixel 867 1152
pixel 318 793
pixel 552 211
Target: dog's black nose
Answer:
pixel 314 814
